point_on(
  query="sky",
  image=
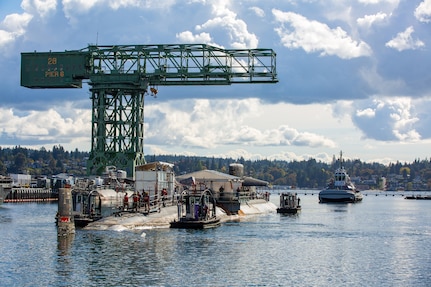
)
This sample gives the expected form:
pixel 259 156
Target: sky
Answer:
pixel 353 76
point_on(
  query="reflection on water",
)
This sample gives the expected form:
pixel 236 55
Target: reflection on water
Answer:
pixel 64 244
pixel 5 216
pixel 383 241
pixel 339 210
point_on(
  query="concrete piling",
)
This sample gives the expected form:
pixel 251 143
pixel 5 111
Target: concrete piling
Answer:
pixel 65 222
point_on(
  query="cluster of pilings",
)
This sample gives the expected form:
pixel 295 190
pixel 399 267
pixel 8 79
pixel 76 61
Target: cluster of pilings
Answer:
pixel 31 194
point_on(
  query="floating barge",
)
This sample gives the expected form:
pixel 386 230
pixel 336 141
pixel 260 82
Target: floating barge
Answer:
pixel 31 194
pixel 418 197
pixel 196 211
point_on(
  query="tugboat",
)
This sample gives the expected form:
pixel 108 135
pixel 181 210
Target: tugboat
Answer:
pixel 289 203
pixel 340 189
pixel 196 211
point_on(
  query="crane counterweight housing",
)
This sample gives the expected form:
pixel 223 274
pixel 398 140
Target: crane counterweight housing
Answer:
pixel 119 77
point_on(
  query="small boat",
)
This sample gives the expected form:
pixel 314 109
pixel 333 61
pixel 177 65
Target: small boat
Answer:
pixel 93 199
pixel 87 207
pixel 289 203
pixel 340 189
pixel 196 211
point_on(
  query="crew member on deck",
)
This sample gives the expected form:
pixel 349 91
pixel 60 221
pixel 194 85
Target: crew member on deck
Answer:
pixel 135 201
pixel 164 196
pixel 146 199
pixel 125 201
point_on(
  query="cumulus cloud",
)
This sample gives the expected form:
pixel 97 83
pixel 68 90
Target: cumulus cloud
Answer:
pixel 148 4
pixel 369 20
pixel 5 38
pixel 197 123
pixel 73 8
pixel 395 2
pixel 41 7
pixel 258 11
pixel 12 27
pixel 366 113
pixel 47 126
pixel 283 155
pixel 313 36
pixel 388 119
pixel 422 107
pixel 190 38
pixel 208 124
pixel 404 41
pixel 239 36
pixel 379 83
pixel 313 140
pixel 423 11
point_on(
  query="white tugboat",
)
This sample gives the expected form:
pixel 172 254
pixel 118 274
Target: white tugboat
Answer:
pixel 340 189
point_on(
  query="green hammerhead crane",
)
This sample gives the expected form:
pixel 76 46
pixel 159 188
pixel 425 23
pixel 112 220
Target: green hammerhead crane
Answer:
pixel 120 76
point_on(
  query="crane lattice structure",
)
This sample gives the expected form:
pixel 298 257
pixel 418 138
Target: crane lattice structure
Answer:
pixel 120 76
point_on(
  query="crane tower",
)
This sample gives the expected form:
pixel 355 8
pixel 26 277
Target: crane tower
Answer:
pixel 120 76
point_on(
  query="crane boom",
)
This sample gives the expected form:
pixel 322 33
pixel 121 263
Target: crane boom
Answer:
pixel 119 77
pixel 161 65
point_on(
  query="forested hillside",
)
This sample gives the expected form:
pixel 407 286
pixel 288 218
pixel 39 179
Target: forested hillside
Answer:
pixel 303 174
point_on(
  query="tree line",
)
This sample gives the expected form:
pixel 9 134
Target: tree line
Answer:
pixel 309 173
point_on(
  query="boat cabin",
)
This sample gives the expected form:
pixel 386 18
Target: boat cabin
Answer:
pixel 87 207
pixel 196 210
pixel 289 203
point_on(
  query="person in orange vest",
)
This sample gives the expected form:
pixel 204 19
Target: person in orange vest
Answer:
pixel 125 201
pixel 146 199
pixel 164 196
pixel 135 201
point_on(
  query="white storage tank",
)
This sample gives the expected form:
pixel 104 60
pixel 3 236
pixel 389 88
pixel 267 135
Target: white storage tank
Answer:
pixel 236 169
pixel 121 173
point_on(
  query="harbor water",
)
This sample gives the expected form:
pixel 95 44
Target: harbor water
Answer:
pixel 381 241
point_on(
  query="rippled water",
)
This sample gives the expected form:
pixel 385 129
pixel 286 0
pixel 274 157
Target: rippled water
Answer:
pixel 382 241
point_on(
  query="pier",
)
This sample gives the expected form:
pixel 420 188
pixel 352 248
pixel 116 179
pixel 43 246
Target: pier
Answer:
pixel 31 194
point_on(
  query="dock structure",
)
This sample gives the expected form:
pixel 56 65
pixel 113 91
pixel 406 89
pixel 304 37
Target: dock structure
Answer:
pixel 31 194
